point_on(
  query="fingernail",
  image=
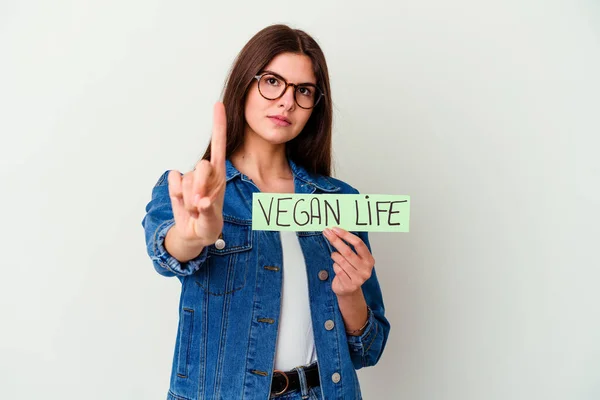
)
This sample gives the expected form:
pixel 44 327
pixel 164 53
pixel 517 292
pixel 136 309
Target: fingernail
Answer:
pixel 337 230
pixel 326 232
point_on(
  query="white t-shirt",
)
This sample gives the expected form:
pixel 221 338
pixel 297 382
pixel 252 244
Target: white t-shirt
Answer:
pixel 295 340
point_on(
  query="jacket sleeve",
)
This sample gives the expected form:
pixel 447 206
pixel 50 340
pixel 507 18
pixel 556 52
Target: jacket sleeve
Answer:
pixel 157 221
pixel 366 349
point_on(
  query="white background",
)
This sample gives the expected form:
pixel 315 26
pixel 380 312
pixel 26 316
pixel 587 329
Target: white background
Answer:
pixel 485 113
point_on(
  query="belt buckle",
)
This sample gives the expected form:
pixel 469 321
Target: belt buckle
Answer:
pixel 287 381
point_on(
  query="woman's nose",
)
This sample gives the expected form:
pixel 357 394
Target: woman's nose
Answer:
pixel 288 97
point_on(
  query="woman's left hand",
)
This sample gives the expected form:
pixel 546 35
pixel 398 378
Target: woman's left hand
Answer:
pixel 352 269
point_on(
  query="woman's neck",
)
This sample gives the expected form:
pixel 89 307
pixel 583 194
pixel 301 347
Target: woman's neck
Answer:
pixel 262 163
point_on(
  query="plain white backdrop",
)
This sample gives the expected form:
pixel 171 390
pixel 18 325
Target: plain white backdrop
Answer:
pixel 485 113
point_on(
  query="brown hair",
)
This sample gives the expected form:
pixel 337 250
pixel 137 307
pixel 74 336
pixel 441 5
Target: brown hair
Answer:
pixel 312 147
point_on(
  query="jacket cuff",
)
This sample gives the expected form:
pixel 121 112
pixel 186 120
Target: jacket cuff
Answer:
pixel 361 344
pixel 170 263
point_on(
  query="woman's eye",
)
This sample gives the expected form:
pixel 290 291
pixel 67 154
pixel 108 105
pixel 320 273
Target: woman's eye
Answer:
pixel 305 91
pixel 272 81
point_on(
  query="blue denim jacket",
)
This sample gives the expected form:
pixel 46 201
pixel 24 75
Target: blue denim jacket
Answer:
pixel 230 301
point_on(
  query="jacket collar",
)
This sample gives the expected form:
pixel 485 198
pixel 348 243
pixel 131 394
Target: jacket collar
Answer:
pixel 300 174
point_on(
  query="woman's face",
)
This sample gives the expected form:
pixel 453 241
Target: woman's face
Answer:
pixel 263 117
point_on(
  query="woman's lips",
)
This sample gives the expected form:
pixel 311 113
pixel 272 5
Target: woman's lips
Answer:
pixel 279 122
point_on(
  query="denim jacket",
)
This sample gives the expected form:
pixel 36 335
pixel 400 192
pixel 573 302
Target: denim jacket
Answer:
pixel 230 301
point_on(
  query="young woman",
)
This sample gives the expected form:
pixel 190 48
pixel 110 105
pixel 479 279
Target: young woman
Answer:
pixel 262 314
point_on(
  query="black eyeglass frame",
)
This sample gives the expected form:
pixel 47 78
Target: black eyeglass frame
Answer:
pixel 319 93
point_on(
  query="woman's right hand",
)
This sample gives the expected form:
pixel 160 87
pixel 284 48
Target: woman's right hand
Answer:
pixel 197 196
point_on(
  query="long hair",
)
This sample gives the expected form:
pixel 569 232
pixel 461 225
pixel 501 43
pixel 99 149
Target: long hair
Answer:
pixel 312 147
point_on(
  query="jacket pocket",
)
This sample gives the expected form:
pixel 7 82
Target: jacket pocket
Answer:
pixel 186 331
pixel 226 268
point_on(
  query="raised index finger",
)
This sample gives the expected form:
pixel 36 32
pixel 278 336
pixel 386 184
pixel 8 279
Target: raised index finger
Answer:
pixel 219 137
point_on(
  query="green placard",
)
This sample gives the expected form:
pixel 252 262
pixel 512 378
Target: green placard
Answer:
pixel 315 212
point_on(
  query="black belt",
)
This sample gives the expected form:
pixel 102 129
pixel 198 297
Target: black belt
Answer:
pixel 286 381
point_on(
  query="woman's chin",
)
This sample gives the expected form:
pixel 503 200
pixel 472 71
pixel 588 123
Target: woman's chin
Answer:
pixel 276 137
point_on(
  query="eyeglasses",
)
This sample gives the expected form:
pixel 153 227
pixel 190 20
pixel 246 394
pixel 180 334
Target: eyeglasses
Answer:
pixel 272 87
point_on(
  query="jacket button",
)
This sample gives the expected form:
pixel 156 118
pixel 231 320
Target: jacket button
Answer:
pixel 323 274
pixel 336 377
pixel 220 244
pixel 329 324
